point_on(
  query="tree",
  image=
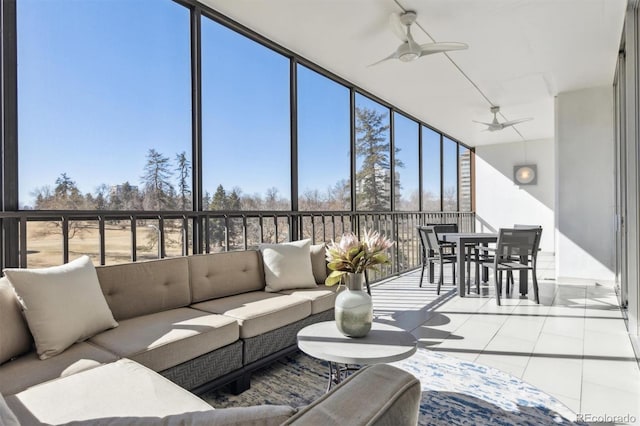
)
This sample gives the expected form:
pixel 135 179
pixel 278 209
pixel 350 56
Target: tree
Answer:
pixel 156 181
pixel 66 194
pixel 102 193
pixel 373 180
pixel 183 167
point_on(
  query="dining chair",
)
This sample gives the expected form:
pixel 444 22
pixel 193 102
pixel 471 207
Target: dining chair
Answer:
pixel 532 259
pixel 434 252
pixel 512 246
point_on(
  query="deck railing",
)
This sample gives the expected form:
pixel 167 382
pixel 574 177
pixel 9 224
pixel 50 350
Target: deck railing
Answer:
pixel 35 238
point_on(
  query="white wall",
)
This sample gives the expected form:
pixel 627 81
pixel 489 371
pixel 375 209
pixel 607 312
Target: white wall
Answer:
pixel 500 203
pixel 585 185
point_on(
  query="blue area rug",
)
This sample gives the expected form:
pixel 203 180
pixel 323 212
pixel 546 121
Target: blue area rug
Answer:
pixel 454 392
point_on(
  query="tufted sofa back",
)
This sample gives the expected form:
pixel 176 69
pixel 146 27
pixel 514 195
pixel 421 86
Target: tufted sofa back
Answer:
pixel 140 288
pixel 225 274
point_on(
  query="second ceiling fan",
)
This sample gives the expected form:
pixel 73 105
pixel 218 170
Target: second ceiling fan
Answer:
pixel 495 125
pixel 409 50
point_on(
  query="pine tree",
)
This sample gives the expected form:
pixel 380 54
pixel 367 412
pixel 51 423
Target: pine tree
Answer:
pixel 217 226
pixel 372 146
pixel 183 168
pixel 156 181
pixel 66 194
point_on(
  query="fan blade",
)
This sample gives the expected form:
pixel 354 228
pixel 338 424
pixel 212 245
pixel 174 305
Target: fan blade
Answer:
pixel 394 55
pixel 430 48
pixel 482 122
pixel 512 122
pixel 397 27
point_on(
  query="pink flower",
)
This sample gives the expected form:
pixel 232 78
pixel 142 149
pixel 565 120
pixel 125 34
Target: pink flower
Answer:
pixel 352 255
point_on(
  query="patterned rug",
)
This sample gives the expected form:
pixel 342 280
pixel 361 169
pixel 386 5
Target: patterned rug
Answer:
pixel 454 392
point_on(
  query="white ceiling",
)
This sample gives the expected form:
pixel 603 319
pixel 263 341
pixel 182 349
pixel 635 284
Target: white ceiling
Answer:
pixel 521 54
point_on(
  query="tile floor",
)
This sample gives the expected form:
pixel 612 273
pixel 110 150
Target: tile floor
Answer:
pixel 574 345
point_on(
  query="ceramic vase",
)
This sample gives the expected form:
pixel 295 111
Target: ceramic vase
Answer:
pixel 353 307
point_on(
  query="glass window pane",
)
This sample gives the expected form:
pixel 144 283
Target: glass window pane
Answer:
pixel 105 96
pixel 465 178
pixel 246 141
pixel 430 170
pixel 324 141
pixel 450 175
pixel 406 163
pixel 373 173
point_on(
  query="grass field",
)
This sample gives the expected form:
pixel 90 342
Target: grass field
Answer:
pixel 45 242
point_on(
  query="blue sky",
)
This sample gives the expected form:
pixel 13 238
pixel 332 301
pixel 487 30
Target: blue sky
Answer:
pixel 102 82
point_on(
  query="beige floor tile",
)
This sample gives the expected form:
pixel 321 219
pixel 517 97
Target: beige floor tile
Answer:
pixel 605 402
pixel 556 345
pixel 603 344
pixel 563 326
pixel 511 364
pixel 617 374
pixel 555 376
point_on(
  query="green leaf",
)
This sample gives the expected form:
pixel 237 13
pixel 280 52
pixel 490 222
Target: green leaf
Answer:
pixel 334 278
pixel 338 265
pixel 353 252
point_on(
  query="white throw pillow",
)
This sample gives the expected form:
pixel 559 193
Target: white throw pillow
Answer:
pixel 62 304
pixel 287 265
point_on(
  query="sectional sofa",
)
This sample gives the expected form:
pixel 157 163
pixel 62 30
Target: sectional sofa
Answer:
pixel 199 321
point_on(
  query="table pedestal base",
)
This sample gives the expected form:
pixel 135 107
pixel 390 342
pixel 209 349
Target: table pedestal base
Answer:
pixel 338 372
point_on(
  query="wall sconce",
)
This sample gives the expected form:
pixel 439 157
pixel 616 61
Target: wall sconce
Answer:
pixel 526 174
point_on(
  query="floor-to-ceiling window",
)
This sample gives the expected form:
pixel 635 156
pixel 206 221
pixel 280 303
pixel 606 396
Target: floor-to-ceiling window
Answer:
pixel 324 143
pixel 431 166
pixel 405 140
pixel 373 155
pixel 167 106
pixel 464 178
pixel 449 175
pixel 104 118
pixel 626 90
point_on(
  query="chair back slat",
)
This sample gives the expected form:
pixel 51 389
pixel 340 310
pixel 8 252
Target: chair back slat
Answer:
pixel 429 238
pixel 442 228
pixel 516 242
pixel 538 229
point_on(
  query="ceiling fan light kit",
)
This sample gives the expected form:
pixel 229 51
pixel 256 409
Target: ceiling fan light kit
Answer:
pixel 409 50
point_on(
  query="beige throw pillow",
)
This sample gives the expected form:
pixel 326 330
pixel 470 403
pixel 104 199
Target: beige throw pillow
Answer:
pixel 63 304
pixel 319 262
pixel 287 265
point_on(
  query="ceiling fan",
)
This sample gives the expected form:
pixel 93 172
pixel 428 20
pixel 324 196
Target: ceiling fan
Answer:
pixel 409 50
pixel 495 125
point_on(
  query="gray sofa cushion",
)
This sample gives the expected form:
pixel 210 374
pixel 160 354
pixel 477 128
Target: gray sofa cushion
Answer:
pixel 260 415
pixel 322 298
pixel 120 389
pixel 391 398
pixel 225 274
pixel 165 339
pixel 15 338
pixel 135 289
pixel 258 312
pixel 29 370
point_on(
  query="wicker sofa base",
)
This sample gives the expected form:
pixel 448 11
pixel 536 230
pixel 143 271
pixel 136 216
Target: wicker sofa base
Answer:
pixel 233 364
pixel 207 367
pixel 265 344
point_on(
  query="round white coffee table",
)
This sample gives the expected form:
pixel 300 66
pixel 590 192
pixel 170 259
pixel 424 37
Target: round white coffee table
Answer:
pixel 384 343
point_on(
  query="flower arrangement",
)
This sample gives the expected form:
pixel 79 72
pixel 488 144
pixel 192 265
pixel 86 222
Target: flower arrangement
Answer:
pixel 352 255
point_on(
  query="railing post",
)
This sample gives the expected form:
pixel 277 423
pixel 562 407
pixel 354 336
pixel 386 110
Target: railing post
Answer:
pixel 134 238
pixel 101 232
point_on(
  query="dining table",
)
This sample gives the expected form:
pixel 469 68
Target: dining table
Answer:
pixel 462 240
